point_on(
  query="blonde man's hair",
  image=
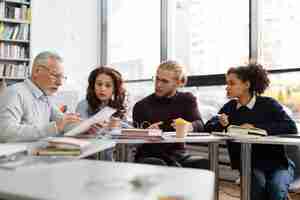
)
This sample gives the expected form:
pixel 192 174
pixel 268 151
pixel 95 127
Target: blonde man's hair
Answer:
pixel 179 69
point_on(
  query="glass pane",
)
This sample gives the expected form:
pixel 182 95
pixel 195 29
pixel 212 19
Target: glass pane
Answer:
pixel 72 35
pixel 286 89
pixel 278 33
pixel 135 93
pixel 134 37
pixel 210 99
pixel 209 36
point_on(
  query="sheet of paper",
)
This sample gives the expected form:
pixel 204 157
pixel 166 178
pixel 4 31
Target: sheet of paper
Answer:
pixel 10 149
pixel 102 115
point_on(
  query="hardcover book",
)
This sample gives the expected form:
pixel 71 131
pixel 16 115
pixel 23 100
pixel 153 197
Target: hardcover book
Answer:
pixel 68 143
pixel 52 151
pixel 141 132
pixel 62 146
pixel 136 133
pixel 237 130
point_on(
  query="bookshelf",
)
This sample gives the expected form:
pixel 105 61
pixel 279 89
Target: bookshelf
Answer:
pixel 15 19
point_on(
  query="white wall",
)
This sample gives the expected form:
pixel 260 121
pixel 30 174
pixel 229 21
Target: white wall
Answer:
pixel 69 28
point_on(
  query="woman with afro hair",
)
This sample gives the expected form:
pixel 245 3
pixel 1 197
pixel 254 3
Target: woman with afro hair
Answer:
pixel 272 170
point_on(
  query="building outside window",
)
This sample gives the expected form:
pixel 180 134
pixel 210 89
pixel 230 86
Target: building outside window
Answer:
pixel 134 37
pixel 209 36
pixel 278 48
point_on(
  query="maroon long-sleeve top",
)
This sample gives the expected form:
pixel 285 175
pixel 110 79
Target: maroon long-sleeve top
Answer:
pixel 153 109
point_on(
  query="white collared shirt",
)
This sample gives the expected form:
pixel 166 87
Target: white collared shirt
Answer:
pixel 26 114
pixel 249 105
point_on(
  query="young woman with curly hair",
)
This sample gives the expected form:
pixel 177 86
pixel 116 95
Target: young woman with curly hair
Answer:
pixel 272 170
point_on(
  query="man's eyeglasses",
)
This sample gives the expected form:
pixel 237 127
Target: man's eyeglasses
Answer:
pixel 56 76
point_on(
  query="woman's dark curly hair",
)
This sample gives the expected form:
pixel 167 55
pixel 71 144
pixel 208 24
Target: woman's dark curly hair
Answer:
pixel 118 98
pixel 255 74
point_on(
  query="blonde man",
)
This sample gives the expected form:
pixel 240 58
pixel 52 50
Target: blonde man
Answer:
pixel 161 108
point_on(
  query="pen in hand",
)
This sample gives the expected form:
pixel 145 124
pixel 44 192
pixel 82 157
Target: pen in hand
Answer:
pixel 223 119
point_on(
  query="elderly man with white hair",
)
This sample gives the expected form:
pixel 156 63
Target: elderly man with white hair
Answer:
pixel 25 111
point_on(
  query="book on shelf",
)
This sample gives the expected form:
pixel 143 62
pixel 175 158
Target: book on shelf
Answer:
pixel 15 44
pixel 238 130
pixel 62 146
pixel 16 12
pixel 13 70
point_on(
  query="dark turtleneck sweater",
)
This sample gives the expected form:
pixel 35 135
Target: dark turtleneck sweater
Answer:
pixel 153 109
pixel 266 114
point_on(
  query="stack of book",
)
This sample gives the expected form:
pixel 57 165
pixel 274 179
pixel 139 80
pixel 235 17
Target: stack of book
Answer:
pixel 136 133
pixel 64 146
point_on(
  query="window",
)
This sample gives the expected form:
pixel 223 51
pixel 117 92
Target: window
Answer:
pixel 58 27
pixel 134 37
pixel 278 30
pixel 210 99
pixel 285 88
pixel 278 33
pixel 209 36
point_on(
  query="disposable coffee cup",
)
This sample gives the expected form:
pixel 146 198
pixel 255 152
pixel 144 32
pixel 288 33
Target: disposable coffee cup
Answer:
pixel 181 130
pixel 114 126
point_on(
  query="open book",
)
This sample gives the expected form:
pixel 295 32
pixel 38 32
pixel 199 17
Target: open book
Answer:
pixel 237 130
pixel 103 115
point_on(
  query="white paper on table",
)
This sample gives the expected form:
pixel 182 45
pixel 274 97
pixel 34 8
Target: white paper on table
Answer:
pixel 11 148
pixel 103 115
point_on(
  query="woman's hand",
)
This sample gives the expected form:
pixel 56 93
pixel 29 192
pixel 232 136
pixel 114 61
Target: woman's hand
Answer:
pixel 102 124
pixel 155 125
pixel 94 129
pixel 223 119
pixel 67 119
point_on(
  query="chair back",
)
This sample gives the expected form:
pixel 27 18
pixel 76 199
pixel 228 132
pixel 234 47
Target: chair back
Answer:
pixel 293 153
